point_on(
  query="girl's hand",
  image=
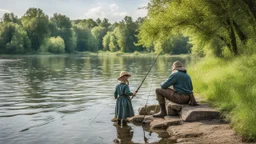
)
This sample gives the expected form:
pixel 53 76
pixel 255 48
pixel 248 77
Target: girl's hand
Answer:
pixel 134 93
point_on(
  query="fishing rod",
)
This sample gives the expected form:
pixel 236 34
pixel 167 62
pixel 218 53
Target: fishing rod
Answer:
pixel 146 75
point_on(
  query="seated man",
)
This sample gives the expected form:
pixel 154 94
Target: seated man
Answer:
pixel 182 92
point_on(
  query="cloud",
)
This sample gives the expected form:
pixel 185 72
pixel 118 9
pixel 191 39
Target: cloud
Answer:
pixel 113 7
pixel 95 12
pixel 5 10
pixel 103 10
pixel 141 11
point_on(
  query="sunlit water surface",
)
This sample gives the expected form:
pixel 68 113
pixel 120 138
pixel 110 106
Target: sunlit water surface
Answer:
pixel 69 99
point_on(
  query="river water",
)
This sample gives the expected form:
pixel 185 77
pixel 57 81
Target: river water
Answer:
pixel 69 98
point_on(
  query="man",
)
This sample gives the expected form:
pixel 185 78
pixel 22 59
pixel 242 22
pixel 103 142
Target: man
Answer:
pixel 181 93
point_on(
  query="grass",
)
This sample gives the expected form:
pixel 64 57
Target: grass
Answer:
pixel 230 85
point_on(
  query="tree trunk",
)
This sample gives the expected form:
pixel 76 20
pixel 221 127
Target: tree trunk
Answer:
pixel 239 32
pixel 232 37
pixel 251 6
pixel 233 41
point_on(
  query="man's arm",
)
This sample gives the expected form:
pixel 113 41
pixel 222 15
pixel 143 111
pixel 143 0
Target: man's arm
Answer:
pixel 170 81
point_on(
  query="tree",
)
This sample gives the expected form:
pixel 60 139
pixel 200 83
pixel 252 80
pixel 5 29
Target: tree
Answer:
pixel 105 23
pixel 110 42
pixel 85 40
pixel 36 24
pixel 208 22
pixel 98 33
pixel 10 17
pixel 88 24
pixel 64 29
pixel 56 45
pixel 13 39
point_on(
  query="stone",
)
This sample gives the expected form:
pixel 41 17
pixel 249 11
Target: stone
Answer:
pixel 172 120
pixel 158 123
pixel 141 118
pixel 197 113
pixel 162 134
pixel 173 139
pixel 175 106
pixel 150 109
pixel 114 119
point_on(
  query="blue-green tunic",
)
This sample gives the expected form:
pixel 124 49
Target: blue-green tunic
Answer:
pixel 124 107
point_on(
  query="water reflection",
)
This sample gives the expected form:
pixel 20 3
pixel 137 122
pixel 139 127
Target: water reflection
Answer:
pixel 124 134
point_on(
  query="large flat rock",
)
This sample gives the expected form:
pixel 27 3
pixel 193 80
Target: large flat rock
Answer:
pixel 140 118
pixel 197 113
pixel 163 123
pixel 158 123
pixel 149 109
pixel 172 120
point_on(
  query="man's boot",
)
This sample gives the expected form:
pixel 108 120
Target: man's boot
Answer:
pixel 162 113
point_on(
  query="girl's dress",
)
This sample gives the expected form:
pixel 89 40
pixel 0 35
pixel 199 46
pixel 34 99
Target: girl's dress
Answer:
pixel 124 107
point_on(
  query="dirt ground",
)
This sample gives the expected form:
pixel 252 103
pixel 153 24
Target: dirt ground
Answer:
pixel 204 132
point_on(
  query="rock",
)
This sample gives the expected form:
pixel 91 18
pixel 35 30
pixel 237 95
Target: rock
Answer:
pixel 158 123
pixel 180 140
pixel 175 106
pixel 114 119
pixel 173 139
pixel 162 134
pixel 172 120
pixel 197 113
pixel 141 118
pixel 150 109
pixel 116 141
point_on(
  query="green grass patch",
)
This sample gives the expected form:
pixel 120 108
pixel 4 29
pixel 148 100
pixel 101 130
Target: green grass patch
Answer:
pixel 230 85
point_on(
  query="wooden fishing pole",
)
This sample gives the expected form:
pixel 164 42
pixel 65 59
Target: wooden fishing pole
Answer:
pixel 146 75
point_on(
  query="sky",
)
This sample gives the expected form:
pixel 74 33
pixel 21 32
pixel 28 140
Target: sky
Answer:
pixel 114 10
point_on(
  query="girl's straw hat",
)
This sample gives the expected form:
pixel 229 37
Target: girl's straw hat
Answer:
pixel 122 74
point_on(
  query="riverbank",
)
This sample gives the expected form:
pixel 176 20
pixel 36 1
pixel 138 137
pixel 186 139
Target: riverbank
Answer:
pixel 196 124
pixel 104 53
pixel 230 85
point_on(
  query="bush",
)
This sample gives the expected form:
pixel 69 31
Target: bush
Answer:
pixel 56 45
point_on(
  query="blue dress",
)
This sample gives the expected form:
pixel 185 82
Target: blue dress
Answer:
pixel 124 107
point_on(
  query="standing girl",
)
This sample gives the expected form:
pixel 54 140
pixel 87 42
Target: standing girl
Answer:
pixel 124 107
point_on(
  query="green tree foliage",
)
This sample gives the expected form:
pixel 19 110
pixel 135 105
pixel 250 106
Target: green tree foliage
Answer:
pixel 173 45
pixel 10 17
pixel 87 23
pixel 13 39
pixel 56 45
pixel 63 28
pixel 85 40
pixel 98 33
pixel 105 23
pixel 31 33
pixel 36 24
pixel 110 42
pixel 211 24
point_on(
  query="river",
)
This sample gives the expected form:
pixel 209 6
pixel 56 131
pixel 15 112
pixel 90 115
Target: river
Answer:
pixel 62 99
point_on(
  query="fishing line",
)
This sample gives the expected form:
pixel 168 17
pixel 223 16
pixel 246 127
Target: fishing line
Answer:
pixel 100 112
pixel 146 75
pixel 145 139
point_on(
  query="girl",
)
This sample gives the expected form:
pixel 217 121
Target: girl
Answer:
pixel 124 107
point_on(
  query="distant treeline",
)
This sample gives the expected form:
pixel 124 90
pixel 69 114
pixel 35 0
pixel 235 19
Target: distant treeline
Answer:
pixel 35 32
